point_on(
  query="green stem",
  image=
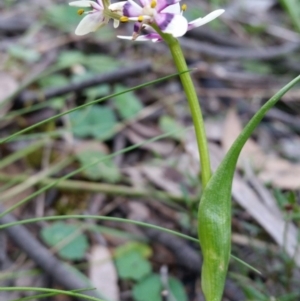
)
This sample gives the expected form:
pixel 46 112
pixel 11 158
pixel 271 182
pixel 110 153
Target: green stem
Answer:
pixel 195 109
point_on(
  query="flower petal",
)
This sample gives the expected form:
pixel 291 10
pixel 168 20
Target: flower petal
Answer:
pixel 125 37
pixel 91 22
pixel 82 3
pixel 175 25
pixel 137 27
pixel 116 23
pixel 172 9
pixel 163 4
pixel 144 38
pixel 201 21
pixel 100 3
pixel 131 9
pixel 145 2
pixel 117 7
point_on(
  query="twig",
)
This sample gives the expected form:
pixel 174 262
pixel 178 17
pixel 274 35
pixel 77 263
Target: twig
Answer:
pixel 112 77
pixel 214 37
pixel 15 24
pixel 266 53
pixel 74 185
pixel 62 273
pixel 29 181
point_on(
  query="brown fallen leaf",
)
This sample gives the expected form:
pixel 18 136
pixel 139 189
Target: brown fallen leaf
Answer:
pixel 270 167
pixel 158 175
pixel 103 274
pixel 163 148
pixel 8 85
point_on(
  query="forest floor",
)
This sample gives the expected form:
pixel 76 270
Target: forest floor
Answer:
pixel 133 157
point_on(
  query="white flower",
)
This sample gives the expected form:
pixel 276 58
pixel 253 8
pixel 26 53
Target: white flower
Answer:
pixel 155 37
pixel 93 20
pixel 162 13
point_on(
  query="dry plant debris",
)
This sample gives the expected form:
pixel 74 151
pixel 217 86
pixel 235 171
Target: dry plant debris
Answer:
pixel 238 62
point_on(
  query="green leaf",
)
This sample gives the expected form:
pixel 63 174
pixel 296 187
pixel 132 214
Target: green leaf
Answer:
pixel 63 17
pixel 95 92
pixel 143 249
pixel 131 261
pixel 253 294
pixel 76 243
pixel 24 54
pixel 293 9
pixel 70 57
pixel 150 288
pixel 101 63
pixel 257 67
pixel 105 170
pixel 127 105
pixel 56 80
pixel 132 266
pixel 177 289
pixel 214 215
pixel 168 124
pixel 95 121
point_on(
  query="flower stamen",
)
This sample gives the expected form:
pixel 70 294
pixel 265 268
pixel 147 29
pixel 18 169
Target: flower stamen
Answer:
pixel 153 3
pixel 124 19
pixel 80 12
pixel 184 7
pixel 140 19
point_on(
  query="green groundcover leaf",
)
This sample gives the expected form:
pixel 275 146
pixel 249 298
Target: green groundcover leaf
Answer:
pixel 168 124
pixel 95 121
pixel 214 213
pixel 105 170
pixel 150 288
pixel 127 105
pixel 24 54
pixel 133 266
pixel 63 17
pixel 131 262
pixel 102 63
pixel 76 242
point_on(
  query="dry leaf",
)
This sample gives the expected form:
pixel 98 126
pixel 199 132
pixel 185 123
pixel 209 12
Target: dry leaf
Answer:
pixel 138 211
pixel 89 145
pixel 214 129
pixel 103 274
pixel 8 85
pixel 251 151
pixel 163 148
pixel 271 168
pixel 158 176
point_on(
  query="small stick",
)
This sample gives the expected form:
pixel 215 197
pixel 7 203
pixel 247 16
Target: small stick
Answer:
pixel 121 74
pixel 61 272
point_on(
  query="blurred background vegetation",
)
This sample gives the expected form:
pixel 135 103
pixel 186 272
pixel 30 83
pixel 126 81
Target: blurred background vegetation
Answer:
pixel 133 156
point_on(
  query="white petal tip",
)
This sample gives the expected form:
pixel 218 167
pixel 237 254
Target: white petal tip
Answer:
pixel 208 18
pixel 125 37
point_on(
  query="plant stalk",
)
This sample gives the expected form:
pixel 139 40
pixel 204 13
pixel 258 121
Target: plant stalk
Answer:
pixel 194 105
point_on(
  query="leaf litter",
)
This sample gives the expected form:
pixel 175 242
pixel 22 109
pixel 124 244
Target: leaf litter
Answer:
pixel 268 171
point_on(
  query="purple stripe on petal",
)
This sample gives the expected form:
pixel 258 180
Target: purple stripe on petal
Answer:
pixel 132 9
pixel 137 27
pixel 162 4
pixel 177 26
pixel 155 37
pixel 163 20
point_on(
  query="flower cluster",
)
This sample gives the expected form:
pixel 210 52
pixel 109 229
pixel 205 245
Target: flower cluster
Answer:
pixel 156 16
